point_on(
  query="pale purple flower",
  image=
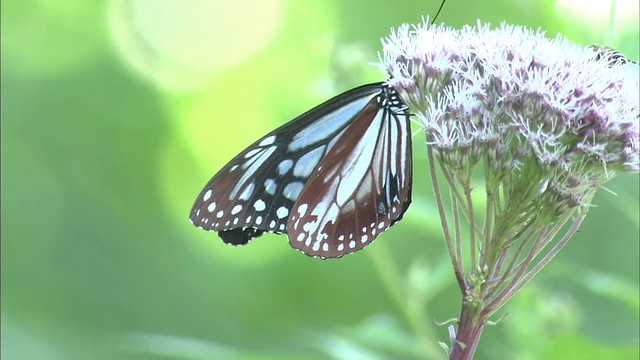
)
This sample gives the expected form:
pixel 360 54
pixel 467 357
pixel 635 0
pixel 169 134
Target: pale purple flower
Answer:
pixel 548 122
pixel 522 100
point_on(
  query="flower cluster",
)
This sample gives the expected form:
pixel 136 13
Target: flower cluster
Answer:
pixel 546 120
pixel 542 113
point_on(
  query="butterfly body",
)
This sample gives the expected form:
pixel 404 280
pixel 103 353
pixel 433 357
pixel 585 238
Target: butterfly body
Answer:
pixel 332 179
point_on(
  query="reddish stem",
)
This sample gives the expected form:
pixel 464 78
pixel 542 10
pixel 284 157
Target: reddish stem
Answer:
pixel 469 330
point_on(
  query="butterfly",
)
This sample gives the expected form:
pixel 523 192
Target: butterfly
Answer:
pixel 610 56
pixel 332 179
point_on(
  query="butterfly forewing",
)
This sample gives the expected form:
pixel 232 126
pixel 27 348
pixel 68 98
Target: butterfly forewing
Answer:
pixel 361 187
pixel 255 192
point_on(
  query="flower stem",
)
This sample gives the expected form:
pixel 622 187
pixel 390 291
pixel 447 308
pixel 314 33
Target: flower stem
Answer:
pixel 470 327
pixel 458 266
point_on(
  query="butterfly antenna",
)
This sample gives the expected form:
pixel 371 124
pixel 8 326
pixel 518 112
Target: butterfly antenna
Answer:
pixel 438 12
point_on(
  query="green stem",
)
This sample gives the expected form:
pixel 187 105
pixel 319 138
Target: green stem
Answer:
pixel 458 267
pixel 543 262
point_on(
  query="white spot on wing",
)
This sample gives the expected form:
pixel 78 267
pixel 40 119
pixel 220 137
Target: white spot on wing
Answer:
pixel 207 195
pixel 247 192
pixel 308 226
pixel 268 140
pixel 211 207
pixel 282 212
pixel 270 186
pixel 292 190
pixel 284 166
pixel 220 214
pixel 236 209
pixel 252 152
pixel 305 165
pixel 302 209
pixel 259 205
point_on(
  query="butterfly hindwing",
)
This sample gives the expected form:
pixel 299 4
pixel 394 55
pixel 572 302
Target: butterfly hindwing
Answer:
pixel 255 192
pixel 360 188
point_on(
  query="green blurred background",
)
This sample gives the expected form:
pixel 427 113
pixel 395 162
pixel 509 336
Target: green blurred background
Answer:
pixel 116 113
